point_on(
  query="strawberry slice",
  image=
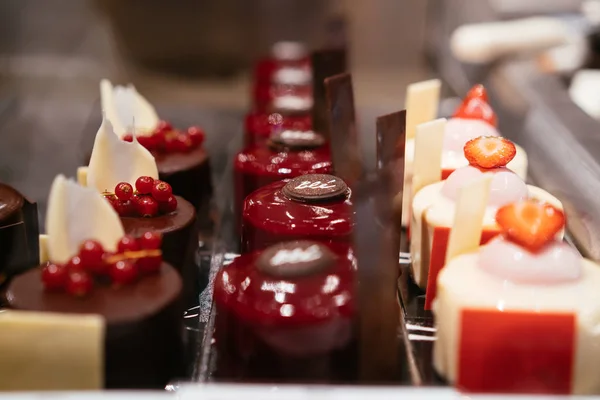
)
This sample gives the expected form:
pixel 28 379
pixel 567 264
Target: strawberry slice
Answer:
pixel 530 223
pixel 476 106
pixel 489 151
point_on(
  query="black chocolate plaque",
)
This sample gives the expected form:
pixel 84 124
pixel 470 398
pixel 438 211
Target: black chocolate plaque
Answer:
pixel 315 188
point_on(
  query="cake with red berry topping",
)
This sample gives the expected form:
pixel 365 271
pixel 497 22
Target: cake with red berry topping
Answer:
pixel 125 173
pixel 91 267
pixel 520 314
pixel 474 118
pixel 434 206
pixel 180 156
pixel 288 154
pixel 286 314
pixel 314 206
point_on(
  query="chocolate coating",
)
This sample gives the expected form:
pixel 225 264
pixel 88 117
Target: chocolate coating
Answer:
pixel 190 177
pixel 180 240
pixel 143 340
pixel 11 202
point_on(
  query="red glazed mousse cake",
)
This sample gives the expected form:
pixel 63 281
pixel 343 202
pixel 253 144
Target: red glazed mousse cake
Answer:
pixel 288 154
pixel 287 314
pixel 316 207
pixel 259 126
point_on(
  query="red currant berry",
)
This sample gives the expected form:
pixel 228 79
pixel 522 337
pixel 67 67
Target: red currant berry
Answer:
pixel 163 127
pixel 124 208
pixel 196 134
pixel 91 253
pixel 170 143
pixel 124 191
pixel 147 206
pixel 128 137
pixel 168 206
pixel 79 283
pixel 149 265
pixel 183 143
pixel 123 272
pixel 148 141
pixel 54 276
pixel 75 264
pixel 150 241
pixel 144 184
pixel 127 243
pixel 161 191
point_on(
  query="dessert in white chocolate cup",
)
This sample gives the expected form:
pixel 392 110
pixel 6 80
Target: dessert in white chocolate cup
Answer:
pixel 434 206
pixel 520 314
pixel 474 118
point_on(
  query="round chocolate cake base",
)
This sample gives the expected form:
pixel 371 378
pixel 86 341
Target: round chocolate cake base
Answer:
pixel 189 176
pixel 143 342
pixel 179 244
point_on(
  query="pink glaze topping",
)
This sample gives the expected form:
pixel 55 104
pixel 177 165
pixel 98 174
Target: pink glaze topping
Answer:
pixel 459 131
pixel 555 263
pixel 506 186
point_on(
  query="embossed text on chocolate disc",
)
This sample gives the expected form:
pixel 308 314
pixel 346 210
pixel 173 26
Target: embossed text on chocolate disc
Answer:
pixel 314 188
pixel 11 201
pixel 295 259
pixel 295 139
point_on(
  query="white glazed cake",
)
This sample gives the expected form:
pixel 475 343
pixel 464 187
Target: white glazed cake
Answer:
pixel 433 207
pixel 474 118
pixel 520 314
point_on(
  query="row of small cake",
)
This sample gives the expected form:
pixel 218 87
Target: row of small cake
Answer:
pixel 117 268
pixel 518 313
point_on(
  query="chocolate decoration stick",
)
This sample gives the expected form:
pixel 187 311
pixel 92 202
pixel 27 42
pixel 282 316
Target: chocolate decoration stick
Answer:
pixel 376 245
pixel 391 142
pixel 325 63
pixel 345 150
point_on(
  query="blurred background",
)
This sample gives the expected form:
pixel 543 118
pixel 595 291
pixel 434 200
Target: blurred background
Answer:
pixel 193 60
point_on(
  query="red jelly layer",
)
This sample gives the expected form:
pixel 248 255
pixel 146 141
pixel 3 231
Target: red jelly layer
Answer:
pixel 259 126
pixel 269 217
pixel 301 329
pixel 256 167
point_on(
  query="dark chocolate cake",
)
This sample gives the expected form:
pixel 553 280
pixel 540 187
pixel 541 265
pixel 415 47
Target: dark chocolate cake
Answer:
pixel 143 339
pixel 179 241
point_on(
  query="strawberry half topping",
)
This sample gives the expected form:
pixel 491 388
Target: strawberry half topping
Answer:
pixel 530 223
pixel 489 151
pixel 476 106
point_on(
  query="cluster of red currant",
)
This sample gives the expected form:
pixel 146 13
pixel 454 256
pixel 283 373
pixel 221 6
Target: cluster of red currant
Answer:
pixel 165 139
pixel 151 197
pixel 134 257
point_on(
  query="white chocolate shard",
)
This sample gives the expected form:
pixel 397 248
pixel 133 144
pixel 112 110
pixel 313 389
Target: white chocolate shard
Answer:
pixel 429 145
pixel 43 242
pixel 76 214
pixel 82 173
pixel 124 106
pixel 465 234
pixel 46 351
pixel 114 160
pixel 422 101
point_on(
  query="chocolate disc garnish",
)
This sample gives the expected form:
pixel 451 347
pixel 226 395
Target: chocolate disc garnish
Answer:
pixel 11 201
pixel 295 259
pixel 297 140
pixel 315 188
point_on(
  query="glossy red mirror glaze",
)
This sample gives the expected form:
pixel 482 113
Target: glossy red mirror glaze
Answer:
pixel 270 217
pixel 255 167
pixel 292 329
pixel 259 126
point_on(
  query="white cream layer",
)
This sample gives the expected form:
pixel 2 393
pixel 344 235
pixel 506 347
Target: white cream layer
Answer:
pixel 463 284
